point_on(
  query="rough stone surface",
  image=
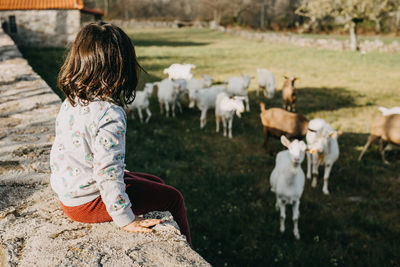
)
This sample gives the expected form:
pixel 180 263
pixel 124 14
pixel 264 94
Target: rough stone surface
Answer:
pixel 43 27
pixel 33 229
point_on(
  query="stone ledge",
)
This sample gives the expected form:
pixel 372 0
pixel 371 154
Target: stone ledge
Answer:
pixel 33 229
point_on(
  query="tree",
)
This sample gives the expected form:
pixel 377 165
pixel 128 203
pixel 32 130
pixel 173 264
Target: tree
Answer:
pixel 350 12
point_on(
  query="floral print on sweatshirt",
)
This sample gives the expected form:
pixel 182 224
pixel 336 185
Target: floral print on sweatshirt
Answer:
pixel 87 157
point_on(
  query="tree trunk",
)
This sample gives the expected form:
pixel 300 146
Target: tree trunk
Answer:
pixel 217 17
pixel 378 27
pixel 262 15
pixel 353 36
pixel 106 7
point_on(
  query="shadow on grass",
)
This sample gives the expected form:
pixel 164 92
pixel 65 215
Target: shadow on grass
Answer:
pixel 312 99
pixel 325 98
pixel 152 42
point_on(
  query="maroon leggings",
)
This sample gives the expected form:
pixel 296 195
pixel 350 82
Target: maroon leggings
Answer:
pixel 146 193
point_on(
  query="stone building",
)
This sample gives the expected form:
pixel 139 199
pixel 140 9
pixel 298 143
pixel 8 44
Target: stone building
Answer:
pixel 45 22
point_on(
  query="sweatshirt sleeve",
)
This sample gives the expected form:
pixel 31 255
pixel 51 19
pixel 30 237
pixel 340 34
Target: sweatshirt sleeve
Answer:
pixel 109 157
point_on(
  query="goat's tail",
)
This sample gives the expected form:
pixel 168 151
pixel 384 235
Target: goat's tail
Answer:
pixel 262 106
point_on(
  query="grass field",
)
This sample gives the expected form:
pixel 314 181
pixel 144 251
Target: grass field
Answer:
pixel 226 182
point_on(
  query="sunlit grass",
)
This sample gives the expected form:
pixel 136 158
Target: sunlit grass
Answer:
pixel 225 182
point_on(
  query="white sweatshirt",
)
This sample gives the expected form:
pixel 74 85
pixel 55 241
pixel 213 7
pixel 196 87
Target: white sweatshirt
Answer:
pixel 87 157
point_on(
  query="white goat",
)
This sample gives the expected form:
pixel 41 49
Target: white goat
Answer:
pixel 266 81
pixel 142 102
pixel 205 99
pixel 287 181
pixel 180 71
pixel 238 86
pixel 167 95
pixel 323 150
pixel 197 84
pixel 225 109
pixel 182 87
pixel 389 111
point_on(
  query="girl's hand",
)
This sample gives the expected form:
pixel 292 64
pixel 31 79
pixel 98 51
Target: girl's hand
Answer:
pixel 141 225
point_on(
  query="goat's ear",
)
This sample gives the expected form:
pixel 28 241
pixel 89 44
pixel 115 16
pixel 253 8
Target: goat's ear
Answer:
pixel 335 134
pixel 296 79
pixel 286 77
pixel 285 141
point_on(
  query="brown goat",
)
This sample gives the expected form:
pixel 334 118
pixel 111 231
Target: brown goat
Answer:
pixel 387 129
pixel 289 94
pixel 278 122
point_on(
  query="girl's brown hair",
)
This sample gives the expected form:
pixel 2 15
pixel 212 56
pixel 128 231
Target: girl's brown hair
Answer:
pixel 101 64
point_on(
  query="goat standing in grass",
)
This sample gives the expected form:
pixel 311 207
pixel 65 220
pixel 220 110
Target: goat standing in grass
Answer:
pixel 225 109
pixel 387 130
pixel 180 71
pixel 167 96
pixel 323 150
pixel 197 84
pixel 277 122
pixel 206 99
pixel 287 181
pixel 142 102
pixel 266 82
pixel 239 86
pixel 289 94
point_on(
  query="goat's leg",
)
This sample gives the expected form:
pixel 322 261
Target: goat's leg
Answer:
pixel 382 146
pixel 296 215
pixel 132 112
pixel 266 134
pixel 308 165
pixel 178 103
pixel 246 98
pixel 315 166
pixel 140 114
pixel 148 115
pixel 217 120
pixel 161 107
pixel 203 118
pixel 166 109
pixel 173 109
pixel 282 208
pixel 230 127
pixel 293 108
pixel 328 168
pixel 371 139
pixel 224 125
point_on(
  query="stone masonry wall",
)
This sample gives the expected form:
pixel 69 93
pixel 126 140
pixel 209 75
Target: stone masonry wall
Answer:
pixel 43 27
pixel 33 229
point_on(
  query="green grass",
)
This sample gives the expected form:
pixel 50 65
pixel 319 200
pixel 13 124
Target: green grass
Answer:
pixel 226 182
pixel 342 37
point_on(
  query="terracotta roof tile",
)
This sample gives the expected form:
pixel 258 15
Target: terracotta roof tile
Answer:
pixel 40 4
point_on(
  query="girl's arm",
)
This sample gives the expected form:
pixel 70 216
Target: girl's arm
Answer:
pixel 109 164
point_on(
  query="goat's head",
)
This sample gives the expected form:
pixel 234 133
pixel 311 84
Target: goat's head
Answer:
pixel 148 88
pixel 247 80
pixel 296 150
pixel 291 79
pixel 207 80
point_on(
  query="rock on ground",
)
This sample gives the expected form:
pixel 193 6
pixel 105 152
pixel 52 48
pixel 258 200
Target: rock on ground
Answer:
pixel 33 229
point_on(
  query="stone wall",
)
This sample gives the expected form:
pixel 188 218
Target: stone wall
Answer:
pixel 333 44
pixel 43 27
pixel 33 229
pixel 285 38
